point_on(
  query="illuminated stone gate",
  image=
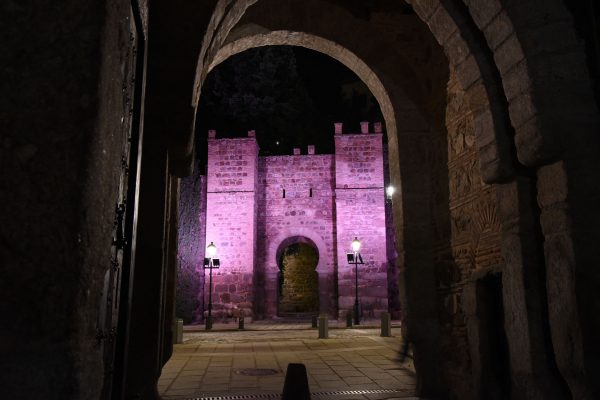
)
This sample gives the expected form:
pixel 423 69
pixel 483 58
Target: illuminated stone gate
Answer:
pixel 255 205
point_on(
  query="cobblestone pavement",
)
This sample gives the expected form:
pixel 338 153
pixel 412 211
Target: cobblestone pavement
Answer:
pixel 353 363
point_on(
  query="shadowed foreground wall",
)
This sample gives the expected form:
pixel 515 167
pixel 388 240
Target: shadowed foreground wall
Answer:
pixel 66 112
pixel 191 244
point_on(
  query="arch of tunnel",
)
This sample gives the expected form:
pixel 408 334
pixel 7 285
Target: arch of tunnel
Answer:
pixel 492 120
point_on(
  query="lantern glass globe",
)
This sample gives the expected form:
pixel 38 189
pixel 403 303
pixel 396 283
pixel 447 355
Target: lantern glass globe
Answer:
pixel 356 245
pixel 389 191
pixel 211 250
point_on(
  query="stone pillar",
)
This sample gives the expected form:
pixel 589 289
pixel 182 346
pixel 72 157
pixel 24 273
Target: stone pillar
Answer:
pixel 171 270
pixel 191 247
pixel 568 198
pixel 231 223
pixel 532 365
pixel 143 363
pixel 360 212
pixel 414 232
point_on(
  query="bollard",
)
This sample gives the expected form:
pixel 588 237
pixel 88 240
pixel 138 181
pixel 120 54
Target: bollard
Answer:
pixel 241 323
pixel 295 386
pixel 386 324
pixel 323 327
pixel 314 321
pixel 349 319
pixel 178 336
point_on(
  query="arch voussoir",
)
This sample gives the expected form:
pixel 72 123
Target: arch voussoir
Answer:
pixel 450 28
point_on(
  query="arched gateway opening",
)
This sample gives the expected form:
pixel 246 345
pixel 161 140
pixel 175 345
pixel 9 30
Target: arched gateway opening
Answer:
pixel 443 198
pixel 298 280
pixel 95 147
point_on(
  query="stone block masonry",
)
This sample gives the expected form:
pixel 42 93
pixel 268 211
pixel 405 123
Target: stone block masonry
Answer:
pixel 231 223
pixel 257 207
pixel 295 206
pixel 360 212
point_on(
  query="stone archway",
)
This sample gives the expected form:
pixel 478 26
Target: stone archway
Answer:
pixel 515 220
pixel 298 279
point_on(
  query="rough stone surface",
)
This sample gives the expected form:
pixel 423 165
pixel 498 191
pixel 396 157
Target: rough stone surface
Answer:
pixel 67 92
pixel 231 206
pixel 304 214
pixel 323 200
pixel 191 244
pixel 466 236
pixel 64 128
pixel 360 212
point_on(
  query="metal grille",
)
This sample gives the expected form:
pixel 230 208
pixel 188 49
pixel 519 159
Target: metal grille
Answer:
pixel 315 395
pixel 257 371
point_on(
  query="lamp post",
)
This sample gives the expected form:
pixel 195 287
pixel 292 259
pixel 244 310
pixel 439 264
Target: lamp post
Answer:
pixel 389 191
pixel 210 262
pixel 355 258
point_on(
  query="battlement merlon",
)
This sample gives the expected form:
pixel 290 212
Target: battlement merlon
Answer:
pixel 359 159
pixel 364 128
pixel 232 164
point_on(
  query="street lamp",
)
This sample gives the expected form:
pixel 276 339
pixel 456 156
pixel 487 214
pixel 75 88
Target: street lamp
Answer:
pixel 355 258
pixel 211 263
pixel 389 191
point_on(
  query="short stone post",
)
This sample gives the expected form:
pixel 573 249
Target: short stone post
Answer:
pixel 314 322
pixel 386 324
pixel 296 386
pixel 349 319
pixel 323 327
pixel 178 334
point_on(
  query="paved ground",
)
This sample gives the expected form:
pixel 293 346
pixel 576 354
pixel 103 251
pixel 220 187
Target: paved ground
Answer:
pixel 351 364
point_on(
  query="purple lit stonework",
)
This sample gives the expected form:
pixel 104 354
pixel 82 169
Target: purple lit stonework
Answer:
pixel 257 207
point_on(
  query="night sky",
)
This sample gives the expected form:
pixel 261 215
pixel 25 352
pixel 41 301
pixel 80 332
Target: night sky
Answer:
pixel 290 95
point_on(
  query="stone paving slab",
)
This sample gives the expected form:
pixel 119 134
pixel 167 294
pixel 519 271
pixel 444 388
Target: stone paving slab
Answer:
pixel 211 364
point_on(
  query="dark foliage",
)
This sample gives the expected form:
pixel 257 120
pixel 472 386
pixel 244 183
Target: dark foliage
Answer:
pixel 291 96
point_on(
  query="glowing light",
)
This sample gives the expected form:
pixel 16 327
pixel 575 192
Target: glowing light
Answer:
pixel 389 191
pixel 211 250
pixel 355 245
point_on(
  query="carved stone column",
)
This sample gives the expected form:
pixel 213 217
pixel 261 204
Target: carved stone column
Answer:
pixel 532 365
pixel 568 198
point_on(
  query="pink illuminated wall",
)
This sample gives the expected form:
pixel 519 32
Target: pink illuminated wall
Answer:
pixel 256 206
pixel 231 222
pixel 360 212
pixel 306 212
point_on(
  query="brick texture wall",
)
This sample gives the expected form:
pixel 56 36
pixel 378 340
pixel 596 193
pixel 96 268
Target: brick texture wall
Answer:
pixel 191 244
pixel 467 235
pixel 231 222
pixel 360 212
pixel 257 207
pixel 305 213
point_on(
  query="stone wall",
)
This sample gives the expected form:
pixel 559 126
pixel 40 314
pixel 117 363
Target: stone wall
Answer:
pixel 306 212
pixel 467 234
pixel 68 91
pixel 231 222
pixel 360 212
pixel 259 206
pixel 191 248
pixel 391 249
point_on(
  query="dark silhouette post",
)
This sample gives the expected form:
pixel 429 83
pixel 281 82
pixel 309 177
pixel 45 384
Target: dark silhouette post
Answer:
pixel 295 386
